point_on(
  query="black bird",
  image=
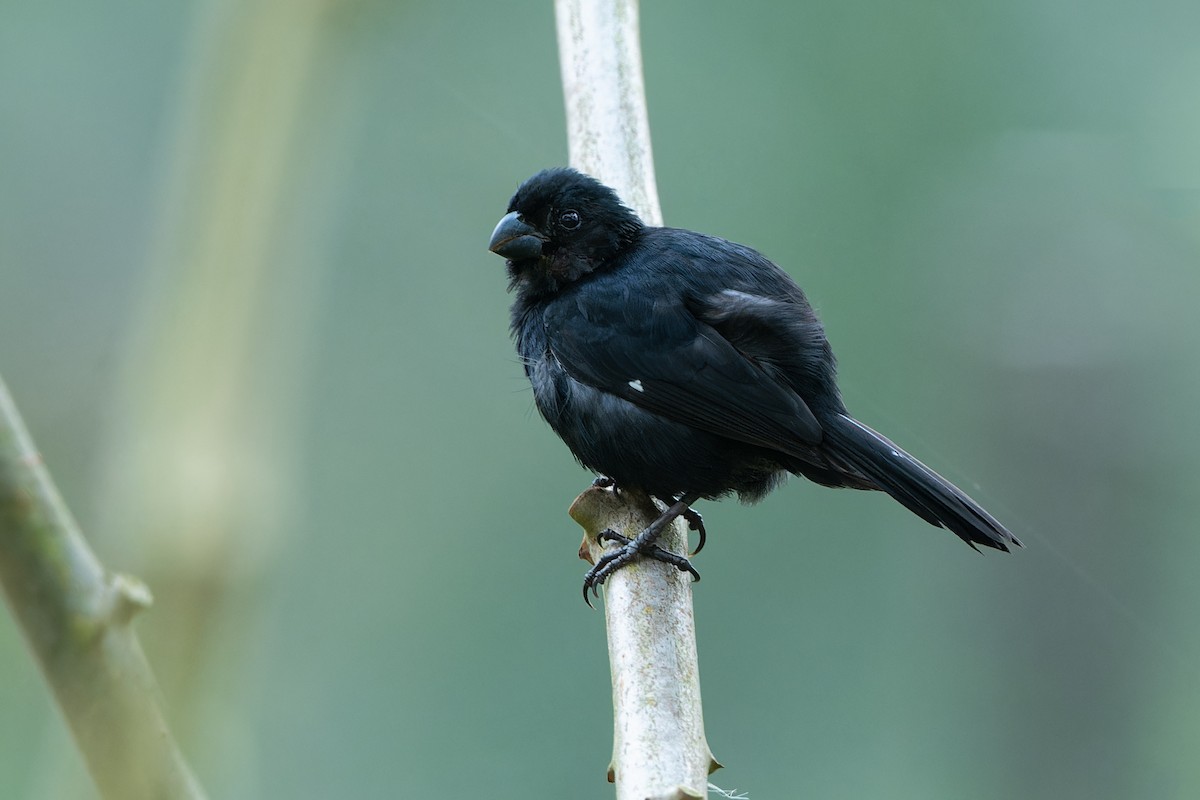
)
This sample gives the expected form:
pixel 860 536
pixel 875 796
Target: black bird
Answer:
pixel 688 367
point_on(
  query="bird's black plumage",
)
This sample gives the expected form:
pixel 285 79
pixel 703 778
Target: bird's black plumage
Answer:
pixel 683 364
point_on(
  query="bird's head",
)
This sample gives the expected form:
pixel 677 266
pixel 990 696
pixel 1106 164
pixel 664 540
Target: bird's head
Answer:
pixel 560 226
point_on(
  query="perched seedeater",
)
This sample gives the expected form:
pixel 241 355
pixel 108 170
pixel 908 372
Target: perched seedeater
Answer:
pixel 688 367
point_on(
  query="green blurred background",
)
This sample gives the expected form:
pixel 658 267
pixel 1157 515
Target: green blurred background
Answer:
pixel 246 309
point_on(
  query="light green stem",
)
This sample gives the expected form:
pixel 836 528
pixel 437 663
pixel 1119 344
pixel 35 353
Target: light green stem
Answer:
pixel 76 618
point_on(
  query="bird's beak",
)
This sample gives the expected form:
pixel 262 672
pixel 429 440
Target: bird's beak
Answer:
pixel 515 239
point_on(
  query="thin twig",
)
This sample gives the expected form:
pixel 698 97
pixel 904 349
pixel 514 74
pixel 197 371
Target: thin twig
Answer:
pixel 76 617
pixel 659 746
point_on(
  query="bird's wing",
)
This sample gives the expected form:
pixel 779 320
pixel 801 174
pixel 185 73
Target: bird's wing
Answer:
pixel 657 355
pixel 781 336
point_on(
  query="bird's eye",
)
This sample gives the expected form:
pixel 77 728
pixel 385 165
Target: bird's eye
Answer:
pixel 569 219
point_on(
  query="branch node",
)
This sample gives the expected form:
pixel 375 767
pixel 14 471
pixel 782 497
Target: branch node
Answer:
pixel 130 596
pixel 601 507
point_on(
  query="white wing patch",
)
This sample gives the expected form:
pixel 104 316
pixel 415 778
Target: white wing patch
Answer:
pixel 636 385
pixel 750 299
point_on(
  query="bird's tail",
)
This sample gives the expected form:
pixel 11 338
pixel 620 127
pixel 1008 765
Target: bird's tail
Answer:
pixel 917 487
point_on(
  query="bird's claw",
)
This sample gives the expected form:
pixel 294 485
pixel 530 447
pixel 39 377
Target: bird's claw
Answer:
pixel 696 523
pixel 628 552
pixel 609 535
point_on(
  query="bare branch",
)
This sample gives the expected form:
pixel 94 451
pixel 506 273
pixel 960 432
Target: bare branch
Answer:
pixel 608 127
pixel 659 746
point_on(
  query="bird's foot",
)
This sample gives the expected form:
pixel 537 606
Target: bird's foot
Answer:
pixel 628 552
pixel 604 482
pixel 643 545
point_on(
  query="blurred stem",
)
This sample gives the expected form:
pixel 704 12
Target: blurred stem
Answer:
pixel 659 746
pixel 199 483
pixel 76 617
pixel 202 410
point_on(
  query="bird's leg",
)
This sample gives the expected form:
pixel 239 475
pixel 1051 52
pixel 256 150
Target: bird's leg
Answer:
pixel 641 545
pixel 694 520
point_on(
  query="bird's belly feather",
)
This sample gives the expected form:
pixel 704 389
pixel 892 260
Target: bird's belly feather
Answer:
pixel 641 449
